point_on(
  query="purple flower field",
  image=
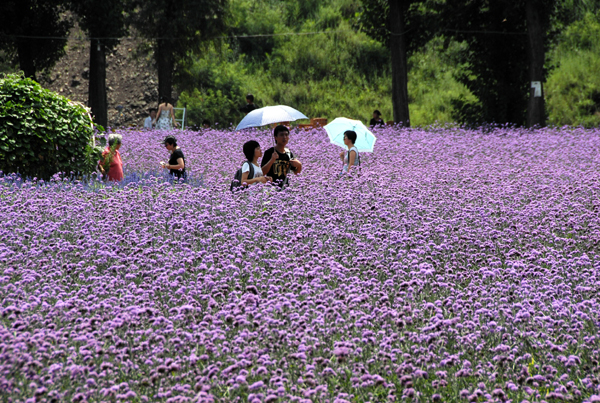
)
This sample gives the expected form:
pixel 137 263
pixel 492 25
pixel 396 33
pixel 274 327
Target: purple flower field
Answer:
pixel 460 266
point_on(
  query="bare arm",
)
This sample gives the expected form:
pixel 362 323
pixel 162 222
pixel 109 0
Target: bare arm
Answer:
pixel 297 166
pixel 261 179
pixel 180 165
pixel 173 116
pixel 267 167
pixel 157 114
pixel 351 160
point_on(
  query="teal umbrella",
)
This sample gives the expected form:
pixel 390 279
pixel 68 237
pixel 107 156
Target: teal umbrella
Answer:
pixel 365 140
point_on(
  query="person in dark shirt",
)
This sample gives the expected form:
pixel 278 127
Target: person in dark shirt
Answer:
pixel 377 120
pixel 278 161
pixel 177 161
pixel 249 107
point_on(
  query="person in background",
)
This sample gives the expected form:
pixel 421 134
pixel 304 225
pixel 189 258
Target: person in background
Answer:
pixel 249 107
pixel 278 161
pixel 166 116
pixel 253 152
pixel 350 158
pixel 111 165
pixel 177 160
pixel 206 124
pixel 148 121
pixel 377 120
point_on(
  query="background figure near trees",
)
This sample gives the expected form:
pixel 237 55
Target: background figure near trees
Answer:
pixel 376 120
pixel 111 164
pixel 149 121
pixel 249 107
pixel 165 117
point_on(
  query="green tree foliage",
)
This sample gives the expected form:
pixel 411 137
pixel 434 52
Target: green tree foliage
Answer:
pixel 571 11
pixel 176 29
pixel 33 33
pixel 496 65
pixel 337 71
pixel 420 26
pixel 213 86
pixel 431 84
pixel 341 71
pixel 42 133
pixel 573 88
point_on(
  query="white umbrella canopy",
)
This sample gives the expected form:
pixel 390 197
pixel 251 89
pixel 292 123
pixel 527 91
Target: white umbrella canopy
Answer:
pixel 270 114
pixel 365 140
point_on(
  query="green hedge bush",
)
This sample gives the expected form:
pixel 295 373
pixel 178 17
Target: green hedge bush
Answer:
pixel 43 133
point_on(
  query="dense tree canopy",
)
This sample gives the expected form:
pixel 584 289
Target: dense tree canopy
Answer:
pixel 33 33
pixel 497 69
pixel 176 29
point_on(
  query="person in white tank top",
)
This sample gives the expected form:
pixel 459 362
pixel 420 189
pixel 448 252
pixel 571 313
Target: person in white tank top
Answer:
pixel 252 152
pixel 350 158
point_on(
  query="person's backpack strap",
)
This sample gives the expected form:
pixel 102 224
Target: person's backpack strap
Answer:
pixel 289 154
pixel 251 170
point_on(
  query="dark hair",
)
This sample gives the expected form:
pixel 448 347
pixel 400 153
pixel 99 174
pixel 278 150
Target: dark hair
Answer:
pixel 249 147
pixel 152 110
pixel 250 97
pixel 279 129
pixel 206 122
pixel 170 140
pixel 377 112
pixel 164 100
pixel 351 134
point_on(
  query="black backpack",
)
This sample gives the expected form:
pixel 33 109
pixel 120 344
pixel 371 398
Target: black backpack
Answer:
pixel 236 183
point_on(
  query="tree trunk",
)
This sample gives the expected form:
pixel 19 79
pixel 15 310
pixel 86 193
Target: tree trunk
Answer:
pixel 24 50
pixel 399 65
pixel 164 61
pixel 26 58
pixel 535 107
pixel 97 89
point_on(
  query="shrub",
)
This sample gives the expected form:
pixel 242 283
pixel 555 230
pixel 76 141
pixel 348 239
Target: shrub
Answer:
pixel 42 133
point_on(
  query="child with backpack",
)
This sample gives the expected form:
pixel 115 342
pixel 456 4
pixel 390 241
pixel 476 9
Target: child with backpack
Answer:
pixel 250 172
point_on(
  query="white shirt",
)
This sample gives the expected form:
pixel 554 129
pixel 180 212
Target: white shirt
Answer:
pixel 257 170
pixel 148 123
